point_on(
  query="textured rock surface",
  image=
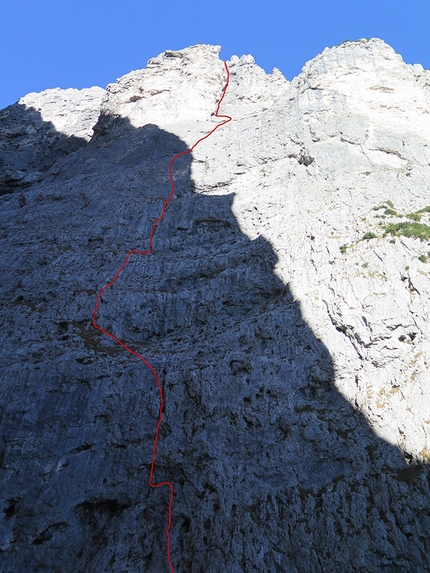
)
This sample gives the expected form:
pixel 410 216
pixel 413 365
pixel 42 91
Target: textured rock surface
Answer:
pixel 294 355
pixel 42 128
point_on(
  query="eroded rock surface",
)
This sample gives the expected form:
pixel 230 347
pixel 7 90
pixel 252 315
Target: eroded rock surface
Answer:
pixel 42 128
pixel 288 325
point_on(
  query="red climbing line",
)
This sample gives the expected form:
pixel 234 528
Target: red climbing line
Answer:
pixel 109 284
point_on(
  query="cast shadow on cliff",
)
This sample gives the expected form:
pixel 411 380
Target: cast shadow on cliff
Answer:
pixel 273 469
pixel 258 408
pixel 29 146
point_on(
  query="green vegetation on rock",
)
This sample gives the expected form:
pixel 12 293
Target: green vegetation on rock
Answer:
pixel 408 229
pixel 369 235
pixel 412 228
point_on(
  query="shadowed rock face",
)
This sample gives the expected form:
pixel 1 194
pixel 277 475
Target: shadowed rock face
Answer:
pixel 29 146
pixel 273 469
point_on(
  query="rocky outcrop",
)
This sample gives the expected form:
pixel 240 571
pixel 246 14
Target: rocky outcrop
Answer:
pixel 284 306
pixel 41 129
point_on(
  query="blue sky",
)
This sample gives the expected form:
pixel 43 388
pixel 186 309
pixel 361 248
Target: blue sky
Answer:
pixel 80 43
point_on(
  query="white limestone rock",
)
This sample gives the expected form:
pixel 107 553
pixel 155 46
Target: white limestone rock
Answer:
pixel 293 353
pixel 72 112
pixel 362 150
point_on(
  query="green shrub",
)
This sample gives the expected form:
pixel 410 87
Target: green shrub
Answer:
pixel 414 216
pixel 384 205
pixel 343 249
pixel 391 212
pixel 408 229
pixel 369 235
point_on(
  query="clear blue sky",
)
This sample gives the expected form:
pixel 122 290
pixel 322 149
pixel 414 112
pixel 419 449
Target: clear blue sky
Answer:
pixel 80 43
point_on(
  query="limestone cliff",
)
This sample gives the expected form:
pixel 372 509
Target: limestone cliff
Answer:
pixel 285 307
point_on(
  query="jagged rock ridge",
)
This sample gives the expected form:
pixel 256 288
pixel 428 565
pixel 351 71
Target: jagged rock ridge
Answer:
pixel 293 352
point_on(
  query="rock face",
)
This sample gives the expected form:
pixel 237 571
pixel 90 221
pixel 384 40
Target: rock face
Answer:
pixel 285 307
pixel 42 128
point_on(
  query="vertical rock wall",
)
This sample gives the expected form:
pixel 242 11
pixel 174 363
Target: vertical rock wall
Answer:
pixel 289 327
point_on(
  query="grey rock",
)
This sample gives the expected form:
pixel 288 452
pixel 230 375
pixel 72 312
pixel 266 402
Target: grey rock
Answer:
pixel 40 129
pixel 296 425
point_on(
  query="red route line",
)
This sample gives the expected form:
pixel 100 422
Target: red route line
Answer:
pixel 104 289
